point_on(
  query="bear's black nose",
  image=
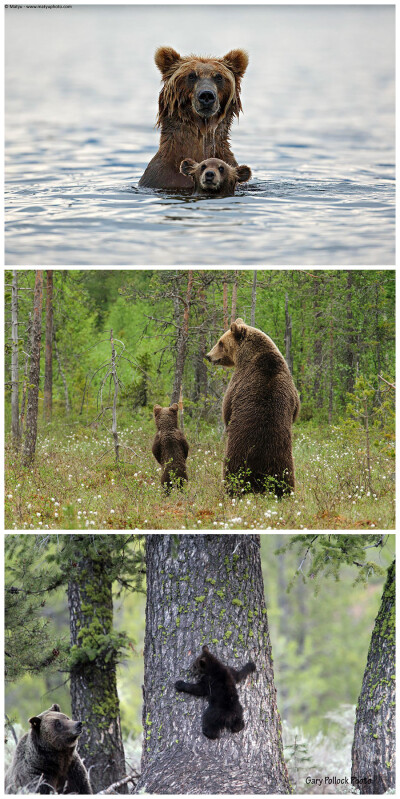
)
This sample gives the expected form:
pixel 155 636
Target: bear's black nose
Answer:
pixel 207 98
pixel 209 176
pixel 79 726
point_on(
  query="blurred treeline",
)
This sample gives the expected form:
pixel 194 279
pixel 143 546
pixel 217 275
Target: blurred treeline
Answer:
pixel 334 327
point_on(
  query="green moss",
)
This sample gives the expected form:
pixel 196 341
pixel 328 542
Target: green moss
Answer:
pixel 237 602
pixel 200 598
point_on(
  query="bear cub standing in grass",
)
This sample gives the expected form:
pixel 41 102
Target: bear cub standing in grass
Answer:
pixel 218 683
pixel 170 447
pixel 258 409
pixel 215 177
pixel 46 760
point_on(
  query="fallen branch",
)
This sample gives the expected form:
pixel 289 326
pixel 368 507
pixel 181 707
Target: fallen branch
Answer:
pixel 112 788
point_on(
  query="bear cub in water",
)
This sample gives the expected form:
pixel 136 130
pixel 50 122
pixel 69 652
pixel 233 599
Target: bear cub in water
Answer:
pixel 215 177
pixel 46 760
pixel 170 447
pixel 218 683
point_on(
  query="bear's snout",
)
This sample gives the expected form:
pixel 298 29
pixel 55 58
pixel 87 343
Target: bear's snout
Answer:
pixel 209 176
pixel 206 101
pixel 78 727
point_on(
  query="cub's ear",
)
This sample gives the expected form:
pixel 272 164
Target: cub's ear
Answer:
pixel 188 166
pixel 243 173
pixel 156 410
pixel 236 61
pixel 56 708
pixel 174 407
pixel 35 722
pixel 206 649
pixel 238 329
pixel 167 60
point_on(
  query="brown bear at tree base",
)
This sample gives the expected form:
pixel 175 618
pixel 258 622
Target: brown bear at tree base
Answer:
pixel 215 177
pixel 196 106
pixel 258 409
pixel 46 760
pixel 218 683
pixel 170 447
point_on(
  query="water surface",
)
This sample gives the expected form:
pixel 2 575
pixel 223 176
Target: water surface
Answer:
pixel 317 132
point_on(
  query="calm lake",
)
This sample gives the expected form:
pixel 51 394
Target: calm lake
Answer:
pixel 317 132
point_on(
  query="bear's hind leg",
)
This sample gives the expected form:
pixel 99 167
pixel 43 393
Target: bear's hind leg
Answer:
pixel 212 723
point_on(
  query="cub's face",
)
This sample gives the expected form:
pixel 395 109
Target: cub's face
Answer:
pixel 56 730
pixel 214 176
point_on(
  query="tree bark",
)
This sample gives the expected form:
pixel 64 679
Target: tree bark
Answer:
pixel 94 697
pixel 114 408
pixel 15 428
pixel 288 336
pixel 207 589
pixel 225 302
pixel 34 374
pixel 48 360
pixel 234 296
pixel 183 336
pixel 63 378
pixel 374 749
pixel 25 381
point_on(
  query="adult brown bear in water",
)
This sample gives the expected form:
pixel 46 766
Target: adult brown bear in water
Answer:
pixel 197 103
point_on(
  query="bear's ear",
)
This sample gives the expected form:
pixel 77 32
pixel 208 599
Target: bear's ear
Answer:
pixel 35 722
pixel 156 410
pixel 206 649
pixel 174 407
pixel 243 173
pixel 236 61
pixel 56 708
pixel 238 329
pixel 188 166
pixel 167 60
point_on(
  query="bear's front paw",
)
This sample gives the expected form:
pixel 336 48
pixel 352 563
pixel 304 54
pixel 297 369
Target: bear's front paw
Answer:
pixel 180 685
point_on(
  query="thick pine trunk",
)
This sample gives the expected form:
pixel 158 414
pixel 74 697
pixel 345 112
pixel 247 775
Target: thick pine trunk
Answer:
pixel 207 589
pixel 34 373
pixel 374 748
pixel 15 428
pixel 48 360
pixel 94 697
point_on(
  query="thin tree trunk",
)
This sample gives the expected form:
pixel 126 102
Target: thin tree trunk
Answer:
pixel 288 336
pixel 234 296
pixel 15 428
pixel 207 589
pixel 349 352
pixel 374 748
pixel 182 342
pixel 253 300
pixel 25 382
pixel 94 697
pixel 114 410
pixel 330 410
pixel 63 378
pixel 48 362
pixel 34 374
pixel 225 302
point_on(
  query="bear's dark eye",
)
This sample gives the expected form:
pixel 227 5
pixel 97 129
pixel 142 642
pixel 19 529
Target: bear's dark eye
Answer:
pixel 58 725
pixel 218 78
pixel 203 166
pixel 221 169
pixel 192 77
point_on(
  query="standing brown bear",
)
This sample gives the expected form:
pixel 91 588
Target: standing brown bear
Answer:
pixel 196 106
pixel 170 447
pixel 46 760
pixel 258 409
pixel 215 177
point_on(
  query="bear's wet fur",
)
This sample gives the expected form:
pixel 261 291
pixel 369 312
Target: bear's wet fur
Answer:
pixel 258 409
pixel 214 177
pixel 197 104
pixel 218 683
pixel 170 447
pixel 46 760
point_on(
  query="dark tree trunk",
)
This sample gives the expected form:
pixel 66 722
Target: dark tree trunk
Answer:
pixel 34 374
pixel 183 335
pixel 288 336
pixel 374 748
pixel 94 697
pixel 318 355
pixel 225 301
pixel 48 361
pixel 234 296
pixel 15 428
pixel 25 381
pixel 207 589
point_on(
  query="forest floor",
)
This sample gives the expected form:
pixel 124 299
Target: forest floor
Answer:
pixel 76 484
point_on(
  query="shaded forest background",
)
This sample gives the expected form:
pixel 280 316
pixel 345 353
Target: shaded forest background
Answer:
pixel 335 328
pixel 320 633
